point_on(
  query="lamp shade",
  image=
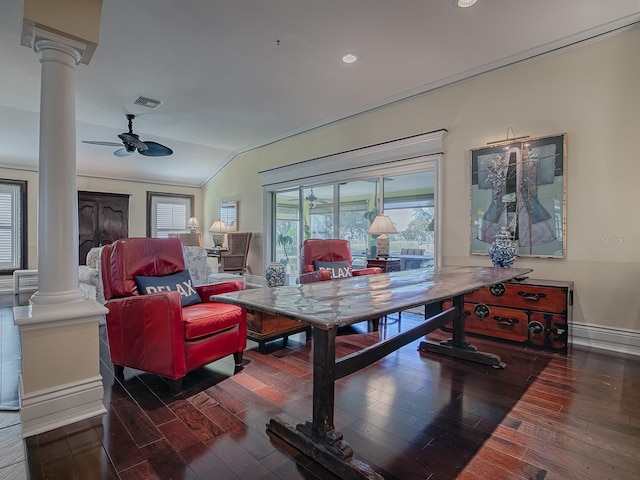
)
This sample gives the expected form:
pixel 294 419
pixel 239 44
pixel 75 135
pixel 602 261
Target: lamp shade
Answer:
pixel 382 224
pixel 218 227
pixel 193 224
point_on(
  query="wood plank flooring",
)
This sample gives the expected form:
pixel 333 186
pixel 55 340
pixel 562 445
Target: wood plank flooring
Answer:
pixel 12 460
pixel 9 356
pixel 410 416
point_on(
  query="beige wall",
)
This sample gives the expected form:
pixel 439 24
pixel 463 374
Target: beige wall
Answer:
pixel 137 202
pixel 591 93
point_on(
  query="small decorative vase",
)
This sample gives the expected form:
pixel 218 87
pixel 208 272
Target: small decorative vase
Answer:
pixel 504 250
pixel 275 274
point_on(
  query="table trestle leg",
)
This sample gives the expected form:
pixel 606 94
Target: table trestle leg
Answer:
pixel 319 439
pixel 457 346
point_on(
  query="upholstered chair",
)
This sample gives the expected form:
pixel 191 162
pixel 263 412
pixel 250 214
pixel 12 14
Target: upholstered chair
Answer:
pixel 188 239
pixel 324 259
pixel 195 259
pixel 162 333
pixel 327 259
pixel 235 260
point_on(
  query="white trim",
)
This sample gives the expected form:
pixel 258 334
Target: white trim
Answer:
pixel 34 168
pixel 405 155
pixel 55 315
pixel 438 196
pixel 613 339
pixel 18 274
pixel 55 407
pixel 404 148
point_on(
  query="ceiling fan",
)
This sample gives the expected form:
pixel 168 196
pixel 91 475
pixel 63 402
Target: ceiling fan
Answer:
pixel 132 142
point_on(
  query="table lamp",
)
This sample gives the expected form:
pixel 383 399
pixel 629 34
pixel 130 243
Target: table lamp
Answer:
pixel 219 229
pixel 381 226
pixel 193 224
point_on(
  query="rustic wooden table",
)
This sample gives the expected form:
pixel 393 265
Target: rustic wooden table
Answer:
pixel 341 302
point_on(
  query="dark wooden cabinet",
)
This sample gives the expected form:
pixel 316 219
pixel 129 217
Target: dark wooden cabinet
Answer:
pixel 536 313
pixel 102 219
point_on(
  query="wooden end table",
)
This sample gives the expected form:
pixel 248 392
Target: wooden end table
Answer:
pixel 263 327
pixel 386 264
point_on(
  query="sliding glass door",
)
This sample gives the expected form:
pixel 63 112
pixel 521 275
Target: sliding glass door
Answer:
pixel 287 229
pixel 345 209
pixel 317 211
pixel 409 202
pixel 359 203
pixel 340 195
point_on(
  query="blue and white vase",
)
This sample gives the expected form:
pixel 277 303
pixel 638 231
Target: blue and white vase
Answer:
pixel 504 250
pixel 275 274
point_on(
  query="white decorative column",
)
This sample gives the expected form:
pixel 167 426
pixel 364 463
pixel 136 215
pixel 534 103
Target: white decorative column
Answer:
pixel 58 194
pixel 60 381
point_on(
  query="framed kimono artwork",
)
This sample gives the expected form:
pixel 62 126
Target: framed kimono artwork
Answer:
pixel 520 184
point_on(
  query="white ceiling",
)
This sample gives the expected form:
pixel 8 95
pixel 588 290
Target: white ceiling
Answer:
pixel 236 74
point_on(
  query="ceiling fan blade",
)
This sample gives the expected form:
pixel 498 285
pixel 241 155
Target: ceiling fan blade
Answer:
pixel 108 144
pixel 155 149
pixel 122 152
pixel 133 140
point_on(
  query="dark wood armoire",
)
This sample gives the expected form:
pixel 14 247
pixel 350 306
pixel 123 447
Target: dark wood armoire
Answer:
pixel 102 219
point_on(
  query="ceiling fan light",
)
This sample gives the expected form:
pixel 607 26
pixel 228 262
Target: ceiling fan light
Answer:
pixel 466 3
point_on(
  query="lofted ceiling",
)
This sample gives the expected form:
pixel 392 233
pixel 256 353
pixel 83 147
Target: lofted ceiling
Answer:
pixel 237 74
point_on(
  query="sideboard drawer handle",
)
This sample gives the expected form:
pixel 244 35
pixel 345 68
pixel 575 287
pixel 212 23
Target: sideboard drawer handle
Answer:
pixel 531 297
pixel 507 322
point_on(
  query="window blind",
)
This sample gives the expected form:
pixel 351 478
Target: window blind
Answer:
pixel 168 214
pixel 10 226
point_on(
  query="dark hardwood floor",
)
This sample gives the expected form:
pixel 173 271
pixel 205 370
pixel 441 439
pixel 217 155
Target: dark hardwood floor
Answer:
pixel 410 415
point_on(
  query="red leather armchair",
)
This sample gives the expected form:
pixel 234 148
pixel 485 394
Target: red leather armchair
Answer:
pixel 153 332
pixel 326 250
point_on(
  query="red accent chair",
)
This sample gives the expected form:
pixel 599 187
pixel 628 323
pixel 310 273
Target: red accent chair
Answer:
pixel 326 250
pixel 329 250
pixel 153 332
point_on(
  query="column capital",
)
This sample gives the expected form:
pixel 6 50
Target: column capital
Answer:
pixel 40 39
pixel 51 49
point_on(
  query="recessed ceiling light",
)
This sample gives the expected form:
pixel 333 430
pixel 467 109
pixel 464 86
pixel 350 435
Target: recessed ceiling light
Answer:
pixel 349 58
pixel 466 3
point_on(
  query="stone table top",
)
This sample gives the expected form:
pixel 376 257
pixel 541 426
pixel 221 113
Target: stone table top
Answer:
pixel 345 301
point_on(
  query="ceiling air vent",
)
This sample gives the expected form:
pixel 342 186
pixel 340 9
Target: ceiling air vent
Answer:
pixel 147 102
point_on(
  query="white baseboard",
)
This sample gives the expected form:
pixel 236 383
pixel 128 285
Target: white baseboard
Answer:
pixel 61 405
pixel 606 338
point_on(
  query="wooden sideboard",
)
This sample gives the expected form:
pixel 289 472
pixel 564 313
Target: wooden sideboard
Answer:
pixel 536 313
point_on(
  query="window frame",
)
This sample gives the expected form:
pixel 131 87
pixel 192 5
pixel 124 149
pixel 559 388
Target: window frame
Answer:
pixel 397 157
pixel 18 234
pixel 154 197
pixel 229 215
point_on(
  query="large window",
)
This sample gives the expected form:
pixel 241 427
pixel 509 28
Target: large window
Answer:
pixel 346 209
pixel 168 213
pixel 13 225
pixel 338 196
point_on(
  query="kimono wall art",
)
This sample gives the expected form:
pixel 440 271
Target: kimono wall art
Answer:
pixel 520 184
